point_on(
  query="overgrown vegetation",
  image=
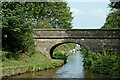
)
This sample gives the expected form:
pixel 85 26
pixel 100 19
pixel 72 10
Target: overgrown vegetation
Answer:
pixel 36 58
pixel 16 28
pixel 59 55
pixel 84 50
pixel 64 50
pixel 105 63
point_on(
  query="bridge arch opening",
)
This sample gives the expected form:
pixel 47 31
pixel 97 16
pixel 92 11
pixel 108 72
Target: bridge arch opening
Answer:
pixel 55 46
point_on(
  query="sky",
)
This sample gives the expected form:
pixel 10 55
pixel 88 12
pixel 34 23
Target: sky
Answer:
pixel 89 15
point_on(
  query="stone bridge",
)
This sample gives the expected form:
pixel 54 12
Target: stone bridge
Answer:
pixel 95 40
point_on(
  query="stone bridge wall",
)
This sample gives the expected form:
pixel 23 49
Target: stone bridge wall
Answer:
pixel 92 39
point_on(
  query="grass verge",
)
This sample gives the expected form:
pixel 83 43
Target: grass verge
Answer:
pixel 36 62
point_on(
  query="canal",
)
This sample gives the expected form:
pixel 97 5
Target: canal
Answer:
pixel 72 69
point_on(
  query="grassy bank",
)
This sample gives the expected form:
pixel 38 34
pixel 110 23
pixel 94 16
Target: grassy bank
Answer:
pixel 104 63
pixel 25 63
pixel 14 63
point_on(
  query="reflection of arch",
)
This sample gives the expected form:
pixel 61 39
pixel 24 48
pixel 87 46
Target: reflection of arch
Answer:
pixel 53 47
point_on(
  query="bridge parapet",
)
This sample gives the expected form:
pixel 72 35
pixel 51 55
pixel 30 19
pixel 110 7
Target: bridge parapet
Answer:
pixel 76 34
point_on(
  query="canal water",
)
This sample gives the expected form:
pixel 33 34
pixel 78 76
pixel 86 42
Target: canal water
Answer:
pixel 72 69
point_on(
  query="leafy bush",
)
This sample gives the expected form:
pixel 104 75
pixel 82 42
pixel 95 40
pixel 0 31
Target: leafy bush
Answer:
pixel 106 62
pixel 58 54
pixel 84 50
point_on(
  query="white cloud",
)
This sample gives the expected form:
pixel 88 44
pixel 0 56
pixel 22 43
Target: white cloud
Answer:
pixel 76 11
pixel 100 13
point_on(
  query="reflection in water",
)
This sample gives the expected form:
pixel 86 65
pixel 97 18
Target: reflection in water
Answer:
pixel 72 69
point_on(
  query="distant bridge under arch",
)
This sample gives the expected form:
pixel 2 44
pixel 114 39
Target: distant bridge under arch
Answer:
pixel 95 40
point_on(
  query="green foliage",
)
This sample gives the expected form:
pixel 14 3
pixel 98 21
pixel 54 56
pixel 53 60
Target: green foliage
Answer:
pixel 65 48
pixel 71 45
pixel 25 59
pixel 114 5
pixel 6 56
pixel 106 62
pixel 59 55
pixel 84 50
pixel 34 63
pixel 62 15
pixel 63 51
pixel 113 19
pixel 16 27
pixel 50 14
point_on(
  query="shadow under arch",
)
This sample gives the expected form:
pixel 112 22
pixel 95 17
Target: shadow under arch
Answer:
pixel 52 49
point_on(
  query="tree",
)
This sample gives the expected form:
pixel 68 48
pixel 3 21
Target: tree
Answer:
pixel 113 19
pixel 35 10
pixel 55 15
pixel 50 14
pixel 16 27
pixel 115 5
pixel 61 17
